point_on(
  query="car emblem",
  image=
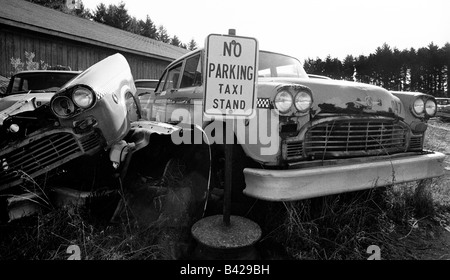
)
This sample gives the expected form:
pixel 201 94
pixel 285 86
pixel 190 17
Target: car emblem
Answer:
pixel 369 102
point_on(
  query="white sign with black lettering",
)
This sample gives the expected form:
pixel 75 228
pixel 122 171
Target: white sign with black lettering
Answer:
pixel 231 73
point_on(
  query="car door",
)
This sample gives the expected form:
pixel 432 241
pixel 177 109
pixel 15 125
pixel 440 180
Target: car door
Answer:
pixel 184 104
pixel 168 85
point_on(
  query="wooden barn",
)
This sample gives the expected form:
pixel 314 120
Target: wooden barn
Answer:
pixel 57 38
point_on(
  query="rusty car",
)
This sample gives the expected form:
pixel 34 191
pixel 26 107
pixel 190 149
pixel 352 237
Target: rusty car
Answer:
pixel 309 137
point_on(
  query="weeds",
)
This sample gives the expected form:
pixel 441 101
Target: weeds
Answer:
pixel 344 226
pixel 48 237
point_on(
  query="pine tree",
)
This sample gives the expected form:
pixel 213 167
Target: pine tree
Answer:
pixel 148 28
pixel 192 45
pixel 163 36
pixel 175 41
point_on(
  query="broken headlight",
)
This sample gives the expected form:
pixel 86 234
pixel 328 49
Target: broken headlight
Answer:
pixel 63 106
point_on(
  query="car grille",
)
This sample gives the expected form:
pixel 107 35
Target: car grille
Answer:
pixel 293 150
pixel 355 138
pixel 416 143
pixel 43 154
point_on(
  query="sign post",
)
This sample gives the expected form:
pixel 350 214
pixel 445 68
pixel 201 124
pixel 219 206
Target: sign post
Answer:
pixel 230 84
pixel 230 89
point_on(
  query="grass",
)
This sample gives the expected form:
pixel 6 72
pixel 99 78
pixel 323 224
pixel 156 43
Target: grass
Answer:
pixel 342 227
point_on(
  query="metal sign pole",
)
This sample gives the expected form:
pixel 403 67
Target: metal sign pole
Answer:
pixel 228 180
pixel 228 167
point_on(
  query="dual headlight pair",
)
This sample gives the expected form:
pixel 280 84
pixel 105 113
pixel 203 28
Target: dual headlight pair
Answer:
pixel 423 105
pixel 73 101
pixel 288 98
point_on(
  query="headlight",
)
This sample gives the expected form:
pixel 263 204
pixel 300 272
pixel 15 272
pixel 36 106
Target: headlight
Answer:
pixel 418 106
pixel 430 107
pixel 62 106
pixel 303 101
pixel 83 97
pixel 283 101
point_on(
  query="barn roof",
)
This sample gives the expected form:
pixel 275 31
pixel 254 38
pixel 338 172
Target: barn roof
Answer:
pixel 30 16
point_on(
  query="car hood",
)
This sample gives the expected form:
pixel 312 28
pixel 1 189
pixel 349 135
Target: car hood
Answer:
pixel 104 77
pixel 345 97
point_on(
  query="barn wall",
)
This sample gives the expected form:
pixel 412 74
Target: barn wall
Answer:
pixel 54 51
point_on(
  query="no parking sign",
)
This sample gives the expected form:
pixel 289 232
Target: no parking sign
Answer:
pixel 231 73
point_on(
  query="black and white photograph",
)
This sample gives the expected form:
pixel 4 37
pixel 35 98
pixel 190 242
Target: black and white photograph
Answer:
pixel 222 137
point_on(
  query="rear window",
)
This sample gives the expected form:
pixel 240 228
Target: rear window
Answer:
pixel 38 82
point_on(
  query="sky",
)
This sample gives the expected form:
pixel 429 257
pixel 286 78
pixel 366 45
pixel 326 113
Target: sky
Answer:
pixel 303 29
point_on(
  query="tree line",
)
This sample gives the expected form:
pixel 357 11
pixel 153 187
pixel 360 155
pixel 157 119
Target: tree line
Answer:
pixel 117 16
pixel 424 70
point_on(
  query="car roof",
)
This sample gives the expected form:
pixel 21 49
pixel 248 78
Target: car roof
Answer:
pixel 201 49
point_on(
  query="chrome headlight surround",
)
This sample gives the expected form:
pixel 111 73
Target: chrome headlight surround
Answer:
pixel 73 101
pixel 430 107
pixel 83 97
pixel 303 101
pixel 293 99
pixel 62 106
pixel 418 106
pixel 283 101
pixel 424 106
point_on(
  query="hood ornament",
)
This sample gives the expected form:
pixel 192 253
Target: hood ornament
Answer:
pixel 368 102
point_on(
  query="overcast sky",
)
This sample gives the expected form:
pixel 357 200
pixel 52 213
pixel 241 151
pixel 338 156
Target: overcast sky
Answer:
pixel 313 28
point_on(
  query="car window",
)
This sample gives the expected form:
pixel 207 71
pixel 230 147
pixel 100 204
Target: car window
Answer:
pixel 192 75
pixel 172 78
pixel 277 65
pixel 39 82
pixel 146 84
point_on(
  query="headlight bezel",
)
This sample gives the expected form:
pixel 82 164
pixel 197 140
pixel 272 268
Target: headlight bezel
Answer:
pixel 295 93
pixel 298 95
pixel 58 108
pixel 76 107
pixel 287 94
pixel 424 113
pixel 430 100
pixel 414 105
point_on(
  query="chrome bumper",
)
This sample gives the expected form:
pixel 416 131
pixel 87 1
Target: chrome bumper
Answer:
pixel 298 184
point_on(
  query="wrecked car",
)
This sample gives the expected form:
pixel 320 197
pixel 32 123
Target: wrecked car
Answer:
pixel 38 84
pixel 309 137
pixel 443 110
pixel 89 140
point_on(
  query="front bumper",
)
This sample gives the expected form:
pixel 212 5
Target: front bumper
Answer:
pixel 344 176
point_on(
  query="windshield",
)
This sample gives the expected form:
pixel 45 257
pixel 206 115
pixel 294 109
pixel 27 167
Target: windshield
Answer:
pixel 38 82
pixel 278 65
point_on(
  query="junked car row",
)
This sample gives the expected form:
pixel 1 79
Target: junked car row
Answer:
pixel 311 137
